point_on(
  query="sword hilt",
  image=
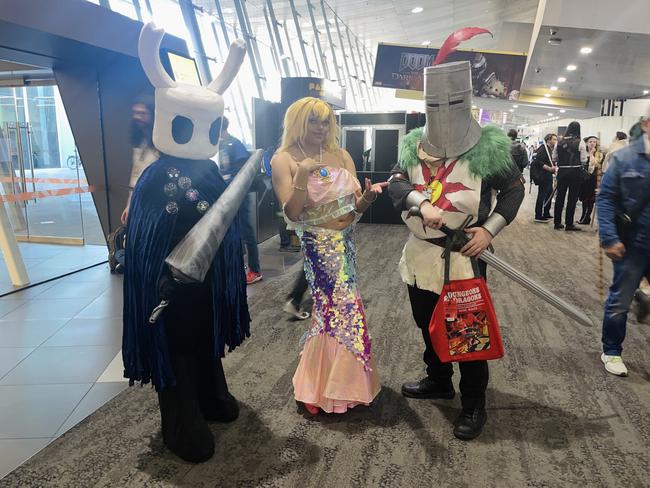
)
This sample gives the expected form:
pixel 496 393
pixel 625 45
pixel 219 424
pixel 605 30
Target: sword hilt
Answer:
pixel 448 231
pixel 153 318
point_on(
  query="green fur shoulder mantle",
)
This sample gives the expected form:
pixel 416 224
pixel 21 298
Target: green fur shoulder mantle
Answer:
pixel 489 157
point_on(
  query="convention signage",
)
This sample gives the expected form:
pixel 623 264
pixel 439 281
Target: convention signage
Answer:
pixel 293 89
pixel 494 74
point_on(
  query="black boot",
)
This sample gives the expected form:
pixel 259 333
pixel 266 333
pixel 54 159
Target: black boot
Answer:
pixel 469 423
pixel 184 429
pixel 428 388
pixel 217 404
pixel 643 305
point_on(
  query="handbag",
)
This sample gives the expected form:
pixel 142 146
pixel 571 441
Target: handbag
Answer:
pixel 464 325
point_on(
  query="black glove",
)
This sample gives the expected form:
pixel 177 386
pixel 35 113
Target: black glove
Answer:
pixel 168 287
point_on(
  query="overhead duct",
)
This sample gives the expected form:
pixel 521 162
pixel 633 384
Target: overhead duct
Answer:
pixel 27 77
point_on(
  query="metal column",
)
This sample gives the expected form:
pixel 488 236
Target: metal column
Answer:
pixel 351 83
pixel 249 46
pixel 189 16
pixel 337 69
pixel 319 48
pixel 278 41
pixel 295 14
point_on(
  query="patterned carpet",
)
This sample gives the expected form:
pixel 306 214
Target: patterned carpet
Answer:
pixel 555 417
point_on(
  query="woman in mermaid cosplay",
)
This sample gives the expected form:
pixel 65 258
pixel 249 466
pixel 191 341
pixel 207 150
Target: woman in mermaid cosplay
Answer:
pixel 317 184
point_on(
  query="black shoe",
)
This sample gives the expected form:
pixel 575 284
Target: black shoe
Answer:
pixel 549 217
pixel 541 219
pixel 643 302
pixel 469 424
pixel 584 221
pixel 216 402
pixel 224 409
pixel 558 227
pixel 573 228
pixel 427 388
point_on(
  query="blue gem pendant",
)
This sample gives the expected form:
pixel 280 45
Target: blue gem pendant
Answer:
pixel 324 174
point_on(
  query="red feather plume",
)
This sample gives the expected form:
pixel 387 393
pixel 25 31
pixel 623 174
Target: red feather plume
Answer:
pixel 454 40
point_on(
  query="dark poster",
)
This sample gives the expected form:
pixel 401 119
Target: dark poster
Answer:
pixel 494 75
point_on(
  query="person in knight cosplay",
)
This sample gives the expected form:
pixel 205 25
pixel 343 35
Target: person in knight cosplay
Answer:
pixel 181 353
pixel 450 170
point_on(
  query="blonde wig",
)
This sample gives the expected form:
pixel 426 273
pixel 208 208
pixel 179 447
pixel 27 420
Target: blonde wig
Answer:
pixel 296 121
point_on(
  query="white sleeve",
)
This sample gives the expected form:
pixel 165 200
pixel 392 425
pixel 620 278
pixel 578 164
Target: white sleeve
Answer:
pixel 584 157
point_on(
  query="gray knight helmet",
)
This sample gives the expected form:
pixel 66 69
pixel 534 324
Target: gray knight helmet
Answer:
pixel 450 129
pixel 187 119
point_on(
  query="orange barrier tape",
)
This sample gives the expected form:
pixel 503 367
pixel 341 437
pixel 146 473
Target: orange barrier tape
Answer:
pixel 55 181
pixel 33 195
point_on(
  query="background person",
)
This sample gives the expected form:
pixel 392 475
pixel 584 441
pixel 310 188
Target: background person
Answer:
pixel 625 188
pixel 589 186
pixel 570 154
pixel 544 168
pixel 232 157
pixel 620 141
pixel 144 152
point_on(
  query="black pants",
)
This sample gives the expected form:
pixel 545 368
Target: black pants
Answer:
pixel 568 180
pixel 299 288
pixel 544 191
pixel 474 375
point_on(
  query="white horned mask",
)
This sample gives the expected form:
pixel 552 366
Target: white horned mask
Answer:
pixel 187 120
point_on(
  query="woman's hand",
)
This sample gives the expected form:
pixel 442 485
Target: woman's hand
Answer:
pixel 308 165
pixel 481 239
pixel 125 215
pixel 372 190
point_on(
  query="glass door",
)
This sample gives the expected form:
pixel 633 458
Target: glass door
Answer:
pixel 43 188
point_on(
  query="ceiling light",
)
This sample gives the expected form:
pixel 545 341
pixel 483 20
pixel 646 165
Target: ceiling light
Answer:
pixel 417 10
pixel 554 88
pixel 547 95
pixel 586 50
pixel 515 106
pixel 645 92
pixel 571 67
pixel 511 110
pixel 562 111
pixel 549 114
pixel 426 43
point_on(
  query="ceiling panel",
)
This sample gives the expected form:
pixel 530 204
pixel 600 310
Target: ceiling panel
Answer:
pixel 618 67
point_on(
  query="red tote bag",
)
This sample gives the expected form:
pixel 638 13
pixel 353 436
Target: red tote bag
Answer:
pixel 464 324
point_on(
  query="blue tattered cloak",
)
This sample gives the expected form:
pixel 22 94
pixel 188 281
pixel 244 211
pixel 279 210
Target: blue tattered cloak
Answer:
pixel 148 243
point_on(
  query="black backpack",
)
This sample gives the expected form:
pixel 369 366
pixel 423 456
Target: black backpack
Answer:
pixel 568 152
pixel 116 244
pixel 519 155
pixel 536 170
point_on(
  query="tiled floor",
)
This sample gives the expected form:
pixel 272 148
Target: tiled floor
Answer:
pixel 60 356
pixel 47 261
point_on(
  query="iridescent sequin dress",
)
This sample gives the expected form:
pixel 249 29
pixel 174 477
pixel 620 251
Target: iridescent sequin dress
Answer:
pixel 336 369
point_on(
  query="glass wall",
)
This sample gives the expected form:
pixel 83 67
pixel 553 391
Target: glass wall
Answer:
pixel 283 39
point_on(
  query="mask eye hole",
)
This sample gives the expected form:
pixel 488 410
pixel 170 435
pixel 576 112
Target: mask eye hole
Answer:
pixel 433 105
pixel 182 129
pixel 455 102
pixel 215 131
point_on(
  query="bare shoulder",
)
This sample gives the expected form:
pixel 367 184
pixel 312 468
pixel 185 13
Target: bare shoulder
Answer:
pixel 347 160
pixel 283 159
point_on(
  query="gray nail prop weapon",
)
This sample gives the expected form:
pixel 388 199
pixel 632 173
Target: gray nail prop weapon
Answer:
pixel 518 277
pixel 190 260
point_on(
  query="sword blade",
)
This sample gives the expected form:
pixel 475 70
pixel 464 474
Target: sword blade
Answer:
pixel 190 260
pixel 536 289
pixel 518 277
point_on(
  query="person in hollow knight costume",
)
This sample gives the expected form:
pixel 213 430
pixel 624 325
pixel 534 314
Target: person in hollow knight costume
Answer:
pixel 452 170
pixel 181 353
